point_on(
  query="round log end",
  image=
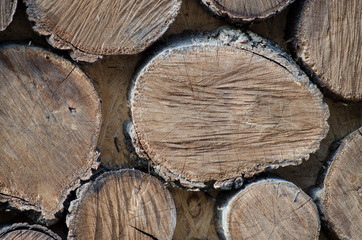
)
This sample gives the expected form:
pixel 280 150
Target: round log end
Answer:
pixel 28 232
pixel 267 209
pixel 91 29
pixel 50 119
pixel 7 11
pixel 124 204
pixel 211 108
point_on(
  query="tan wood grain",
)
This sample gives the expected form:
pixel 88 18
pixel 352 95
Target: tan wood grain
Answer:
pixel 125 204
pixel 268 209
pixel 24 231
pixel 328 36
pixel 50 118
pixel 340 198
pixel 221 102
pixel 246 10
pixel 91 29
pixel 7 10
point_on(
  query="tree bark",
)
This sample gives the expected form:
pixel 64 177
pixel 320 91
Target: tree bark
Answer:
pixel 50 119
pixel 339 195
pixel 246 10
pixel 24 231
pixel 211 108
pixel 125 204
pixel 91 29
pixel 267 209
pixel 7 10
pixel 326 36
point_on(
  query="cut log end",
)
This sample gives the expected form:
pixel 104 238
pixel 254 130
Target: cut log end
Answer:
pixel 91 29
pixel 340 196
pixel 326 36
pixel 267 209
pixel 7 10
pixel 28 232
pixel 246 10
pixel 217 106
pixel 50 119
pixel 125 204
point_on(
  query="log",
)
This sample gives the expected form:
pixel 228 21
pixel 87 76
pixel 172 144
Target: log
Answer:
pixel 124 204
pixel 7 10
pixel 25 231
pixel 50 119
pixel 267 209
pixel 210 109
pixel 91 29
pixel 246 10
pixel 339 195
pixel 326 35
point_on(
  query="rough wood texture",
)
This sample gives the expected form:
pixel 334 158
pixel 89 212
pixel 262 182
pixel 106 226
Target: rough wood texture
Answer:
pixel 268 209
pixel 246 10
pixel 91 29
pixel 195 212
pixel 24 231
pixel 125 204
pixel 238 114
pixel 7 10
pixel 328 39
pixel 339 197
pixel 344 119
pixel 50 119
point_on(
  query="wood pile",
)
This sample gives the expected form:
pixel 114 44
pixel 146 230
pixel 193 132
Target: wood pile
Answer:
pixel 190 119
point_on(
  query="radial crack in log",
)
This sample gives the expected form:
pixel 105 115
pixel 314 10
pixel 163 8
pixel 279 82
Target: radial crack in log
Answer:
pixel 246 10
pixel 45 149
pixel 328 41
pixel 340 197
pixel 267 209
pixel 7 10
pixel 209 108
pixel 91 29
pixel 124 204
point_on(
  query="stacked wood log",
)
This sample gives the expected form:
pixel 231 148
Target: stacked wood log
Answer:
pixel 203 101
pixel 209 110
pixel 24 231
pixel 326 35
pixel 7 10
pixel 91 29
pixel 339 196
pixel 268 209
pixel 125 204
pixel 50 120
pixel 246 10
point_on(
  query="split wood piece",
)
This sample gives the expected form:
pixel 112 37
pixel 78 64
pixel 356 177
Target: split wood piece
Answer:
pixel 267 209
pixel 91 29
pixel 326 37
pixel 125 204
pixel 7 10
pixel 210 108
pixel 340 196
pixel 50 118
pixel 246 10
pixel 24 231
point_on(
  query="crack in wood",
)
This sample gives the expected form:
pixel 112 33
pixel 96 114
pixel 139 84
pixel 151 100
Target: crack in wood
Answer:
pixel 143 232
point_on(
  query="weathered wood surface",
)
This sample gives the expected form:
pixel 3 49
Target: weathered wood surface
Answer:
pixel 195 212
pixel 91 29
pixel 7 10
pixel 24 231
pixel 339 196
pixel 191 109
pixel 267 209
pixel 246 10
pixel 124 204
pixel 327 40
pixel 50 119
